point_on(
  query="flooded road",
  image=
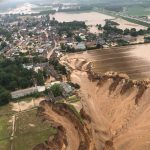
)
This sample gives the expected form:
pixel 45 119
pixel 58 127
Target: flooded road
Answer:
pixel 132 60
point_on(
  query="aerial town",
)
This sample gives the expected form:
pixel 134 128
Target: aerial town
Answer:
pixel 39 41
pixel 74 76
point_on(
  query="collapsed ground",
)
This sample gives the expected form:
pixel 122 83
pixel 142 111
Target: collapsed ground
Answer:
pixel 115 112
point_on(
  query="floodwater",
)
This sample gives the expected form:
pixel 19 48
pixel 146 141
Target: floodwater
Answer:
pixel 132 60
pixel 26 8
pixel 94 18
pixel 90 18
pixel 123 24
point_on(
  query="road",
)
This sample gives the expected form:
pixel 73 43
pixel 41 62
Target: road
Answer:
pixel 51 51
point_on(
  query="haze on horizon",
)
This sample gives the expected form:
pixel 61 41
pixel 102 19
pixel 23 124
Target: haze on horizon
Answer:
pixel 70 1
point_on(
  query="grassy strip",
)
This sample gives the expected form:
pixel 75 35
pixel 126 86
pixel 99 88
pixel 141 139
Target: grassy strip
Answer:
pixel 72 108
pixel 113 14
pixel 5 127
pixel 136 21
pixel 73 99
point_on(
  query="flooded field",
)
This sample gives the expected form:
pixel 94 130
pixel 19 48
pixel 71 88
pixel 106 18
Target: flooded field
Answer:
pixel 91 18
pixel 123 24
pixel 132 60
pixel 94 18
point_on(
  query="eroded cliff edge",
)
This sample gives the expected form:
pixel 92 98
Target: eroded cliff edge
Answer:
pixel 116 111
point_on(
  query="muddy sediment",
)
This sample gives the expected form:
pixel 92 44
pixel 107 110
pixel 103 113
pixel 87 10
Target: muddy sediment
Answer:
pixel 115 106
pixel 115 113
pixel 72 133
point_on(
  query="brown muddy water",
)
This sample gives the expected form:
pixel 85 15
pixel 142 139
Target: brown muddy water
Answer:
pixel 132 60
pixel 93 18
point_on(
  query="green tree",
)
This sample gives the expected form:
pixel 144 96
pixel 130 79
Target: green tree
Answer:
pixel 99 26
pixel 40 78
pixel 133 32
pixel 3 45
pixel 141 32
pixel 5 96
pixel 126 32
pixel 63 47
pixel 78 39
pixel 56 90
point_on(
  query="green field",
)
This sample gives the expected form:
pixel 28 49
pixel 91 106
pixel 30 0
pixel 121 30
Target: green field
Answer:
pixel 5 144
pixel 28 141
pixel 73 99
pixel 5 127
pixel 29 129
pixel 138 11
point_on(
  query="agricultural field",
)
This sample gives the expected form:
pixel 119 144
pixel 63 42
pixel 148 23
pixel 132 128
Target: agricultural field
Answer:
pixel 138 11
pixel 22 130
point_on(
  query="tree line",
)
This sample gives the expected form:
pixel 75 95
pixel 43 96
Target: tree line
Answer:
pixel 13 76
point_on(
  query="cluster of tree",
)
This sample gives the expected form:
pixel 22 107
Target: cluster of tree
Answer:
pixel 122 42
pixel 32 23
pixel 5 33
pixel 134 32
pixel 74 25
pixel 58 67
pixel 114 8
pixel 147 39
pixel 34 60
pixel 67 48
pixel 99 26
pixel 78 38
pixel 46 12
pixel 5 96
pixel 68 27
pixel 14 76
pixel 3 44
pixel 56 89
pixel 110 27
pixel 111 23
